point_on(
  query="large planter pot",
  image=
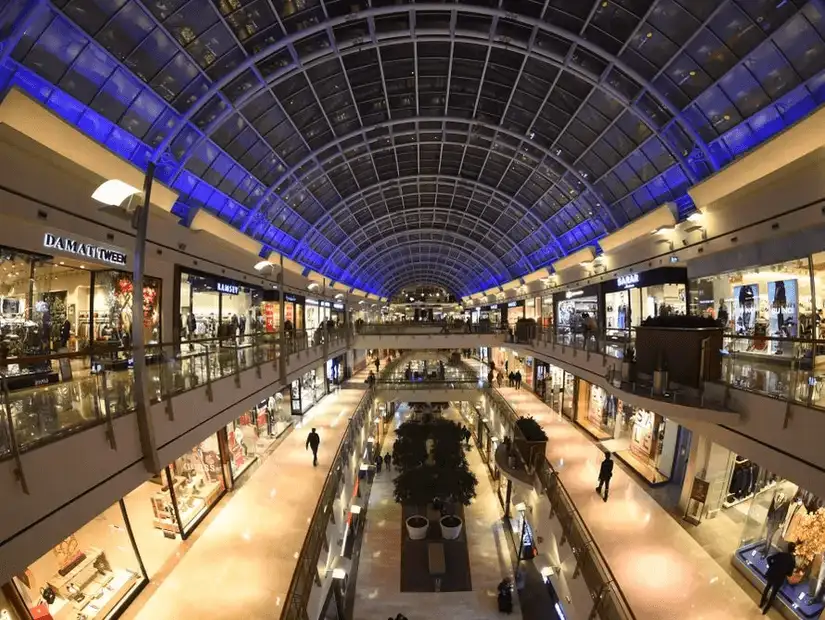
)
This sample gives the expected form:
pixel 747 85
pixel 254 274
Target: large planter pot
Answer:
pixel 692 354
pixel 417 527
pixel 451 527
pixel 533 452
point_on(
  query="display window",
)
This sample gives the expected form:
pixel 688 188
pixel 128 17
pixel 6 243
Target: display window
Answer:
pixel 193 484
pixel 650 446
pixel 212 307
pixel 307 390
pixel 242 440
pixel 772 301
pixel 568 395
pixel 92 574
pixel 598 409
pixel 44 308
pixel 634 297
pixel 113 320
pixel 572 308
pixel 787 514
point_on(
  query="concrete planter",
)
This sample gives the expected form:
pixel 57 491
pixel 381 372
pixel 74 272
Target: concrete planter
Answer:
pixel 451 527
pixel 417 527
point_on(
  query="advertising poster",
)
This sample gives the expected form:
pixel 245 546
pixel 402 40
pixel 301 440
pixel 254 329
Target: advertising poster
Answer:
pixel 782 297
pixel 745 307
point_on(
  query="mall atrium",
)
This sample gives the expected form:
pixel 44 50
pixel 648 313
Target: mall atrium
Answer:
pixel 333 309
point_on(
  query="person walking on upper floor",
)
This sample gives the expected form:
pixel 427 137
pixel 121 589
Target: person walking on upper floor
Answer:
pixel 499 378
pixel 313 441
pixel 377 365
pixel 518 379
pixel 388 461
pixel 379 462
pixel 605 474
pixel 511 379
pixel 780 566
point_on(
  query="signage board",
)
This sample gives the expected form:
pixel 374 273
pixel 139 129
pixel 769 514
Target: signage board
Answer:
pixel 572 294
pixel 629 281
pixel 92 251
pixel 229 288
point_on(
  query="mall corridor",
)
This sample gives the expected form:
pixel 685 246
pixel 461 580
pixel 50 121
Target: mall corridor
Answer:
pixel 251 546
pixel 658 565
pixel 378 582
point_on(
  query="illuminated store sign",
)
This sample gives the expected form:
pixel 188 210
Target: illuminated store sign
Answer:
pixel 512 304
pixel 572 294
pixel 291 298
pixel 338 306
pixel 228 288
pixel 629 281
pixel 86 250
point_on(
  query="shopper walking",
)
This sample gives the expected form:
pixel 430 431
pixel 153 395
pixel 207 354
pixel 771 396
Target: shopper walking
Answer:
pixel 379 462
pixel 518 379
pixel 377 365
pixel 499 378
pixel 313 441
pixel 780 566
pixel 388 461
pixel 605 474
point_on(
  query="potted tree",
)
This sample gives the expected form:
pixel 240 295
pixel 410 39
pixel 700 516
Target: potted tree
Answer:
pixel 530 441
pixel 433 469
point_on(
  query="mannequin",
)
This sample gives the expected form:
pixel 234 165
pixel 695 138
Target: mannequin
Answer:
pixel 777 513
pixel 796 511
pixel 239 439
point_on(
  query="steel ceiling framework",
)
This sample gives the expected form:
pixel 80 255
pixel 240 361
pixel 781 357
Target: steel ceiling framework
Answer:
pixel 513 177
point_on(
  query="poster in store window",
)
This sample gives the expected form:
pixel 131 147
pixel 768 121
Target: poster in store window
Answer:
pixel 783 300
pixel 745 307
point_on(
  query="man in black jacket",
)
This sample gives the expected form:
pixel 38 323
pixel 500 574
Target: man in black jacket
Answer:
pixel 313 441
pixel 605 474
pixel 780 566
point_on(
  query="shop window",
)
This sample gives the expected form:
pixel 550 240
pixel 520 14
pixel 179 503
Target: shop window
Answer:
pixel 753 305
pixel 113 320
pixel 155 545
pixel 215 308
pixel 44 308
pixel 88 575
pixel 193 484
pixel 786 514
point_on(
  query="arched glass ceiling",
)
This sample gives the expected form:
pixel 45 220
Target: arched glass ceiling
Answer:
pixel 382 142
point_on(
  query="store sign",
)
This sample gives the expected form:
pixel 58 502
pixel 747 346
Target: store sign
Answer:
pixel 338 306
pixel 228 288
pixel 86 250
pixel 629 281
pixel 290 298
pixel 572 294
pixel 512 304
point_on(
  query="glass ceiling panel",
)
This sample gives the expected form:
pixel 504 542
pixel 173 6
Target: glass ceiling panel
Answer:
pixel 530 156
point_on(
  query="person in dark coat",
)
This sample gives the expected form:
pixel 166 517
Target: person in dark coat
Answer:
pixel 605 474
pixel 313 441
pixel 388 461
pixel 379 462
pixel 505 596
pixel 780 566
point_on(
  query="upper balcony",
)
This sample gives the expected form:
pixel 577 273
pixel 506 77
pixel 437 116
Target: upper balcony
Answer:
pixel 766 406
pixel 71 444
pixel 417 335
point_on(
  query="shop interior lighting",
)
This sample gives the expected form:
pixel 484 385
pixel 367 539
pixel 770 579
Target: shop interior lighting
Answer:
pixel 114 192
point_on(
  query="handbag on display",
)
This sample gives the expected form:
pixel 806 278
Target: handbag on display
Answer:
pixel 48 595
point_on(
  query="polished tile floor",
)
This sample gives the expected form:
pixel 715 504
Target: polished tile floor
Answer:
pixel 242 563
pixel 378 583
pixel 662 570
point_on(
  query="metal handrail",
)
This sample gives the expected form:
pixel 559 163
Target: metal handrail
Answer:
pixel 555 489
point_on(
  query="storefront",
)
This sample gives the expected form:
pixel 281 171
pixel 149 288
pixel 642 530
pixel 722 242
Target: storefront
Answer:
pixel 308 390
pixel 212 307
pixel 317 313
pixel 515 310
pixel 631 298
pixel 250 436
pixel 336 371
pixel 571 307
pixel 50 304
pixel 783 300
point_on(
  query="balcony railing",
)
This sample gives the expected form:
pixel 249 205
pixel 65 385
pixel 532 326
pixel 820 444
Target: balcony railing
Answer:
pixel 788 369
pixel 47 397
pixel 608 600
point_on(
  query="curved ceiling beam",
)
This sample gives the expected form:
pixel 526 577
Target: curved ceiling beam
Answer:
pixel 327 55
pixel 489 255
pixel 289 41
pixel 429 210
pixel 377 266
pixel 312 156
pixel 414 180
pixel 417 275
